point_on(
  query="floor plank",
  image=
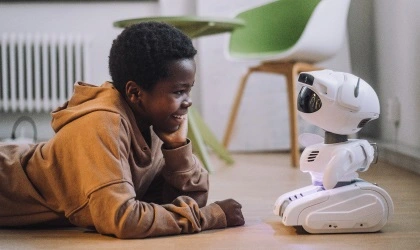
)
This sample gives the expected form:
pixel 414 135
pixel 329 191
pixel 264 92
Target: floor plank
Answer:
pixel 256 180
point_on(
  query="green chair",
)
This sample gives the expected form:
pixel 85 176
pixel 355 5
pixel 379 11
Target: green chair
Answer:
pixel 287 37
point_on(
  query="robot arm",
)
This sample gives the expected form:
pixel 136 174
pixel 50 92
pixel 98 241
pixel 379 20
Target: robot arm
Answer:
pixel 336 168
pixel 346 161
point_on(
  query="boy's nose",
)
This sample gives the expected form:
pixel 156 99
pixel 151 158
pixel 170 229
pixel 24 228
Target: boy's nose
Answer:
pixel 187 103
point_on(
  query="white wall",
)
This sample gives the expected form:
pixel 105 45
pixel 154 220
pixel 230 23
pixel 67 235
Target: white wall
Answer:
pixel 398 48
pixel 93 19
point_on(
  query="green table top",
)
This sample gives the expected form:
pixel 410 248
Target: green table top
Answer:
pixel 193 26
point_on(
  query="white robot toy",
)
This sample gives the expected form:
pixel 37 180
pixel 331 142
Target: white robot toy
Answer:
pixel 337 201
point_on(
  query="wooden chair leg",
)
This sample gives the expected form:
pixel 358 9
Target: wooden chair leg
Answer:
pixel 293 123
pixel 235 108
pixel 291 71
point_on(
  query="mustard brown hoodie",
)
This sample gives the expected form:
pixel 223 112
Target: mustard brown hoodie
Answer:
pixel 98 171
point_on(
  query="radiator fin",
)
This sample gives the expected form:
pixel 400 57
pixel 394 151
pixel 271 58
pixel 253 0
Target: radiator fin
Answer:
pixel 38 70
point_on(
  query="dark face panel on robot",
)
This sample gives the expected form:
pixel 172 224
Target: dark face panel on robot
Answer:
pixel 308 101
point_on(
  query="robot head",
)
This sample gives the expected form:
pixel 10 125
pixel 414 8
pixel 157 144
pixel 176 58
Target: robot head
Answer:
pixel 337 102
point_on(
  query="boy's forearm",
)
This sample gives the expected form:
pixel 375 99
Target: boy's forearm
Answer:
pixel 112 214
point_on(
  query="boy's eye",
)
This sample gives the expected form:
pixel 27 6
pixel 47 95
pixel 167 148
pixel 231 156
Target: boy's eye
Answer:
pixel 181 92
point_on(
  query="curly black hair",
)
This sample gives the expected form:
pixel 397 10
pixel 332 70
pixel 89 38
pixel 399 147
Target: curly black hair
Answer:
pixel 142 52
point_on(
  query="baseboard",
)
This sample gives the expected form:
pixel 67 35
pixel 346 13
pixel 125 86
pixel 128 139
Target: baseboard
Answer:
pixel 400 155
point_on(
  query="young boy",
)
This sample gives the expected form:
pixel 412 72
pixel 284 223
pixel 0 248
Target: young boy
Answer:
pixel 120 160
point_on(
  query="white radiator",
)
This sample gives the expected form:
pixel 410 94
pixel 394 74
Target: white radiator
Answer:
pixel 38 70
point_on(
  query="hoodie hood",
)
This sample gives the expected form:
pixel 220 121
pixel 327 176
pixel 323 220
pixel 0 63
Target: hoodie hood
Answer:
pixel 89 98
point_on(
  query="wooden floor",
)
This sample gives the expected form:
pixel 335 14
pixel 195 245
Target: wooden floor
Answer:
pixel 256 180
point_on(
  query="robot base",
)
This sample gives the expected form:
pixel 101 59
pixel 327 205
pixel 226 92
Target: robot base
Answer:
pixel 354 208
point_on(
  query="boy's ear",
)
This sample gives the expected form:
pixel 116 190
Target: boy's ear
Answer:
pixel 133 91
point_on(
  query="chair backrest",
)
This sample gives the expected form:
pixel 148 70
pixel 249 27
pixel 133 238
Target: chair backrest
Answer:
pixel 292 30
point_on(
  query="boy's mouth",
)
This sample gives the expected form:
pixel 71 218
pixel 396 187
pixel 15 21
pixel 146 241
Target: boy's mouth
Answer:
pixel 180 117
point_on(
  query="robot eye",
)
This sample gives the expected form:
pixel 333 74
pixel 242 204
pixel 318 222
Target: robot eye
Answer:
pixel 308 101
pixel 306 78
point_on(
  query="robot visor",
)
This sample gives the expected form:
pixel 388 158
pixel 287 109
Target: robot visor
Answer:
pixel 308 101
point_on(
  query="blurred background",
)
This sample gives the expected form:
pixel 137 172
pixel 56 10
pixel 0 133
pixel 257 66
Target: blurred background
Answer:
pixel 382 47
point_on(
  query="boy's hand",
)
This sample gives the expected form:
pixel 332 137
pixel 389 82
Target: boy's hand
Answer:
pixel 177 138
pixel 232 210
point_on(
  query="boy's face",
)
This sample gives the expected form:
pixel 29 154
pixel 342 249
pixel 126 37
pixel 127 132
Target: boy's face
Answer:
pixel 167 103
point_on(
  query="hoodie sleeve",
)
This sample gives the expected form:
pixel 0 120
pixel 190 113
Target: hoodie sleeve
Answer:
pixel 115 211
